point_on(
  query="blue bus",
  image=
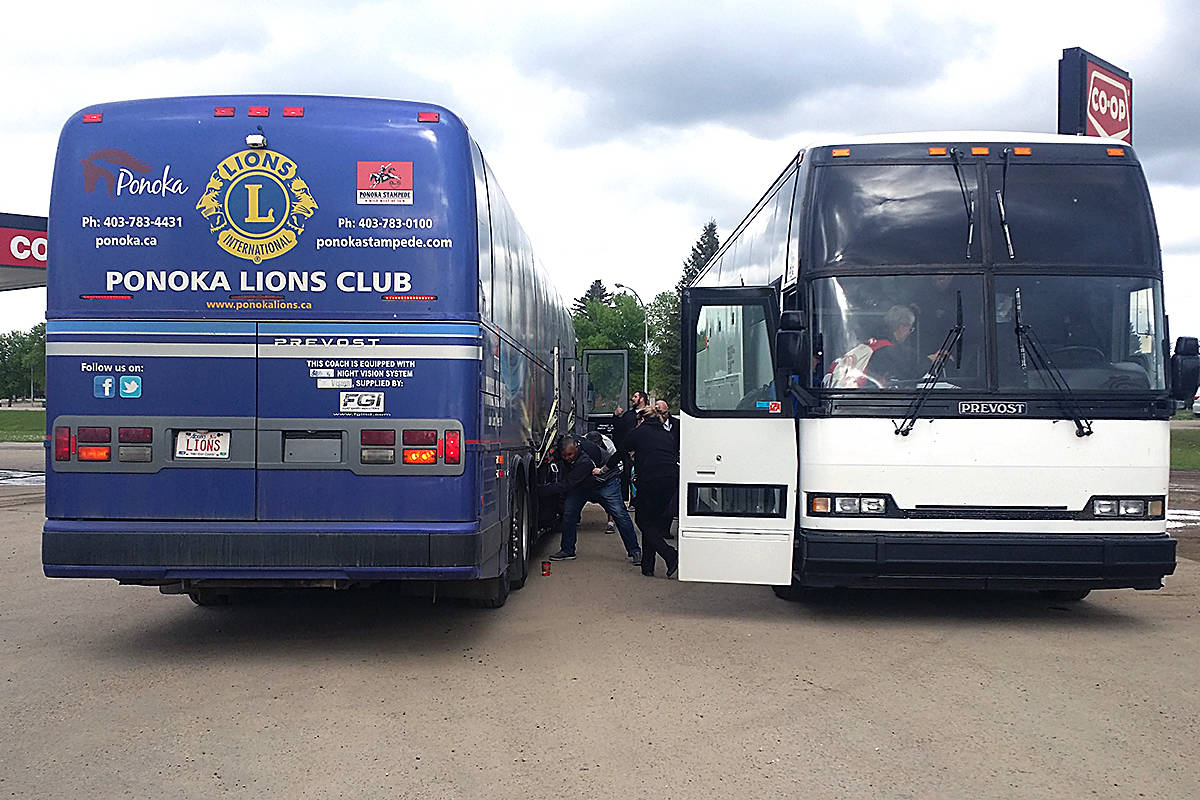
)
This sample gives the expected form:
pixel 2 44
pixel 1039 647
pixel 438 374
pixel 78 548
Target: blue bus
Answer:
pixel 294 341
pixel 934 360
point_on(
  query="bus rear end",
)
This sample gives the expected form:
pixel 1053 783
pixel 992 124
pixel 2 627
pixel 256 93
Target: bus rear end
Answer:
pixel 263 348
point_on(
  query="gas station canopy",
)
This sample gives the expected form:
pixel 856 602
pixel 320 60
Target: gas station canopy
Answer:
pixel 22 251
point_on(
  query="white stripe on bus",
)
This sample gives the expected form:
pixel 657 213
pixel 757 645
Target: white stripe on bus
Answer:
pixel 150 349
pixel 444 351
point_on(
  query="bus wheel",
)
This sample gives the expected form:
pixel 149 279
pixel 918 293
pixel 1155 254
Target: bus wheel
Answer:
pixel 518 537
pixel 1066 595
pixel 209 597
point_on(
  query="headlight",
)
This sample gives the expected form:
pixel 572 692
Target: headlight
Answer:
pixel 846 505
pixel 1133 508
pixel 1104 508
pixel 873 505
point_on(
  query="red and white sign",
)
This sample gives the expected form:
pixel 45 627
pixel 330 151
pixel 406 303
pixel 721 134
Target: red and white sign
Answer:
pixel 1109 104
pixel 385 183
pixel 22 248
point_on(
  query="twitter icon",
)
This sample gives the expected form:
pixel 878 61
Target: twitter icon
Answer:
pixel 131 386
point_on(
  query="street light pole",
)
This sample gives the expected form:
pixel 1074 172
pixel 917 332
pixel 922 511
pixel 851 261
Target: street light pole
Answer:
pixel 645 339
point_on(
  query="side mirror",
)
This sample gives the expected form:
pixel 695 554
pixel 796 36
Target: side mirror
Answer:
pixel 792 321
pixel 1187 346
pixel 792 353
pixel 1185 373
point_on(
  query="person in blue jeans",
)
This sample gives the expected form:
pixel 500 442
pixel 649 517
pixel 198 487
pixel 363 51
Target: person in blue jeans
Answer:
pixel 588 479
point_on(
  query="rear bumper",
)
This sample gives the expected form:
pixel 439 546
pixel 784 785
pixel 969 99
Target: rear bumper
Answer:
pixel 150 551
pixel 983 561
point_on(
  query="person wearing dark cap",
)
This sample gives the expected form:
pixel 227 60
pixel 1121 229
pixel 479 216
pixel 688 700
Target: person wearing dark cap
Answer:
pixel 656 465
pixel 623 423
pixel 587 479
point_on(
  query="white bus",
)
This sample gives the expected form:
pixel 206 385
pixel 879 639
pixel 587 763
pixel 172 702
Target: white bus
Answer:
pixel 934 360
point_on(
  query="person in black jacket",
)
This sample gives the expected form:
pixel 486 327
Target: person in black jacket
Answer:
pixel 586 480
pixel 623 423
pixel 656 460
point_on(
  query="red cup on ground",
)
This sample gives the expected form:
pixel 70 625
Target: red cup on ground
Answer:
pixel 545 567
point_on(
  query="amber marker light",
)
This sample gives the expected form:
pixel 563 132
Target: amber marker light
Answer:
pixel 1116 152
pixel 841 152
pixel 979 151
pixel 1022 151
pixel 937 151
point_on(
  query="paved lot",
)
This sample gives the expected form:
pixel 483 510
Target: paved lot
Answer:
pixel 592 682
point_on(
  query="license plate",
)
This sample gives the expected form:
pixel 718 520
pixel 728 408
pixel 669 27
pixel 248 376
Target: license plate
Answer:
pixel 202 444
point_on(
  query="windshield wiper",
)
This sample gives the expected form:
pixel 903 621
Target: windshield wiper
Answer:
pixel 954 337
pixel 1001 193
pixel 1028 343
pixel 968 203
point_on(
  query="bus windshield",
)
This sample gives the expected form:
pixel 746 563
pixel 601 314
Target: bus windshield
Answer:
pixel 1103 333
pixel 884 332
pixel 876 215
pixel 1065 214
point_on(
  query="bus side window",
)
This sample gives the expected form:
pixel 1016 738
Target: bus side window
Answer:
pixel 733 358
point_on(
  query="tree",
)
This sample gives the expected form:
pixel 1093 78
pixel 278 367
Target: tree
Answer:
pixel 614 326
pixel 22 362
pixel 597 292
pixel 664 316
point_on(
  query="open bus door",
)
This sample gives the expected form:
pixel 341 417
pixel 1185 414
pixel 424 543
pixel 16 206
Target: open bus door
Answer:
pixel 738 452
pixel 607 387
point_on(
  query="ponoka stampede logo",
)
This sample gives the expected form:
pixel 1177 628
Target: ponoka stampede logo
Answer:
pixel 256 204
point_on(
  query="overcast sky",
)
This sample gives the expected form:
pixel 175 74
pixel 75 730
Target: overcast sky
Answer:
pixel 618 129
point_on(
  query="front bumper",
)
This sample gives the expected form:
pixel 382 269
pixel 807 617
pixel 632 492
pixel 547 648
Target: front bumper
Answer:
pixel 171 551
pixel 983 561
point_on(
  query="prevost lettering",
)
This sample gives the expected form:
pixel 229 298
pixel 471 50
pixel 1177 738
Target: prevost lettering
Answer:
pixel 994 409
pixel 323 341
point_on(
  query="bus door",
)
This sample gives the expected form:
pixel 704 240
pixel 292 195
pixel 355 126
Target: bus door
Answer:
pixel 738 449
pixel 607 387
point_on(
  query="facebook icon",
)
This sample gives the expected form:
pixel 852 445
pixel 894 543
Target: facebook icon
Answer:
pixel 104 386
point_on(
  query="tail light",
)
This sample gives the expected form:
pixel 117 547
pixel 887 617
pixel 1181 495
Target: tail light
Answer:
pixel 453 447
pixel 62 443
pixel 94 435
pixel 378 437
pixel 420 438
pixel 94 452
pixel 421 456
pixel 135 435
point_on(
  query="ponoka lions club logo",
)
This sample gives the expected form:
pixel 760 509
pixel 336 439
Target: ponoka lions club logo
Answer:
pixel 256 204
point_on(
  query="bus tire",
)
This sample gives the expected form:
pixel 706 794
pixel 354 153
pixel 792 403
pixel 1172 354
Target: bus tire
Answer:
pixel 519 538
pixel 1066 595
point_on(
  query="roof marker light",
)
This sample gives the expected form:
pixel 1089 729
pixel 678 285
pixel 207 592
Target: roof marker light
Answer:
pixel 937 151
pixel 93 117
pixel 979 151
pixel 1022 151
pixel 223 111
pixel 1116 151
pixel 258 111
pixel 293 111
pixel 841 152
pixel 428 116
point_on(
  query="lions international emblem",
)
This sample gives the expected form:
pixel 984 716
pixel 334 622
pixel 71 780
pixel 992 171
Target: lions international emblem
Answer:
pixel 256 204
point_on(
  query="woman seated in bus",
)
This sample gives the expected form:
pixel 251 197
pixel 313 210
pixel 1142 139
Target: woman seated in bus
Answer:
pixel 880 359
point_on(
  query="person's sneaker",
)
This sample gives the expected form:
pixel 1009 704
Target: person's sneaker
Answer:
pixel 672 570
pixel 635 557
pixel 610 527
pixel 562 555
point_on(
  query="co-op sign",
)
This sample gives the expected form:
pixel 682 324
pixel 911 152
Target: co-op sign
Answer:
pixel 1094 97
pixel 22 251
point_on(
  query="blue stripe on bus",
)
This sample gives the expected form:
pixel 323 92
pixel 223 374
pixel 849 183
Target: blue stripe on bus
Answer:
pixel 136 327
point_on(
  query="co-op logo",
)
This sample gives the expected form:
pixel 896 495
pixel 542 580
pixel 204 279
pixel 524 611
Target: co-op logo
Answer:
pixel 1108 104
pixel 123 174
